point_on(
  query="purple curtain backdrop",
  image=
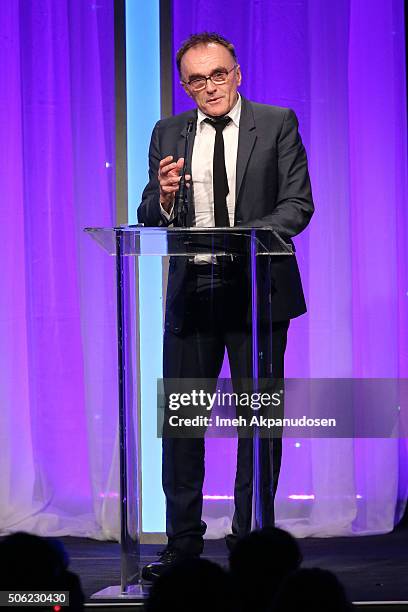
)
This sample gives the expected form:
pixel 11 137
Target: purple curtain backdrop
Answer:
pixel 341 67
pixel 57 311
pixel 342 70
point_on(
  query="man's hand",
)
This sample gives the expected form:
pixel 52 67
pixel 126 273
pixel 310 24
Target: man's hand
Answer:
pixel 169 180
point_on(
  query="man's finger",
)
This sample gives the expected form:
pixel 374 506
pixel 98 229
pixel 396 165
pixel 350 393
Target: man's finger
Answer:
pixel 170 180
pixel 165 169
pixel 165 160
pixel 169 189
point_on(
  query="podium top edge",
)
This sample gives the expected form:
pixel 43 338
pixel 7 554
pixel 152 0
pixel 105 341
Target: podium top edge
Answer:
pixel 201 230
pixel 163 240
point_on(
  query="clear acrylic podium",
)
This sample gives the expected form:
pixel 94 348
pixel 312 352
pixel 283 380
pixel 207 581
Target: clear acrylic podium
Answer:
pixel 254 249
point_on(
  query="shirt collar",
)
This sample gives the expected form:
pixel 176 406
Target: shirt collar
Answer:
pixel 234 114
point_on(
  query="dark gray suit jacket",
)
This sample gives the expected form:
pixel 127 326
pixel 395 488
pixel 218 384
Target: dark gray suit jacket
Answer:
pixel 272 189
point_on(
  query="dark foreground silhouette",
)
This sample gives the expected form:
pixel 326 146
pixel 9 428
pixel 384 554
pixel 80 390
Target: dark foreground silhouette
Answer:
pixel 191 585
pixel 32 563
pixel 260 562
pixel 312 590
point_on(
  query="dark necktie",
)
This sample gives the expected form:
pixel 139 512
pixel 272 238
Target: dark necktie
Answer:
pixel 220 181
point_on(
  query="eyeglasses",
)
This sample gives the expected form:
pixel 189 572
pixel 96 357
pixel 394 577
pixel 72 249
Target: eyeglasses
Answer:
pixel 219 77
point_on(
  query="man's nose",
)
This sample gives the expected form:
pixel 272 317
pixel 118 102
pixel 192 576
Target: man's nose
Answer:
pixel 210 87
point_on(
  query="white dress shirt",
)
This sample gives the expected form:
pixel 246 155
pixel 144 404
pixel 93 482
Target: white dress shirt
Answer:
pixel 202 167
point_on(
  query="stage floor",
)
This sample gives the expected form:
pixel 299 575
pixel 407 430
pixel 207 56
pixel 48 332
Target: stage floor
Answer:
pixel 372 568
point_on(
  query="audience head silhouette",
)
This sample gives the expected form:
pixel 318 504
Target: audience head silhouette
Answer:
pixel 259 563
pixel 312 590
pixel 192 584
pixel 32 563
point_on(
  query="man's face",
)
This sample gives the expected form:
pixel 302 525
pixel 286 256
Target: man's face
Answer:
pixel 204 60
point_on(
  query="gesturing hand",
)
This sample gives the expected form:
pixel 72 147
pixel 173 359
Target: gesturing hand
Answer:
pixel 169 180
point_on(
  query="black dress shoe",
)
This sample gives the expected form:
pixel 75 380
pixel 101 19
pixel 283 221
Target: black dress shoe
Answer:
pixel 167 558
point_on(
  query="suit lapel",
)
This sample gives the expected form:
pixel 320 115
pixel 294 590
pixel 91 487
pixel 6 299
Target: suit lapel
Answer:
pixel 180 153
pixel 246 141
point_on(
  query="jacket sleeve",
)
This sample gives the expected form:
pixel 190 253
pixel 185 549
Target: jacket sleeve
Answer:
pixel 294 203
pixel 149 211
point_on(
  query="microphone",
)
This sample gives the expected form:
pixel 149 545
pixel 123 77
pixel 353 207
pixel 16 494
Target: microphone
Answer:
pixel 181 204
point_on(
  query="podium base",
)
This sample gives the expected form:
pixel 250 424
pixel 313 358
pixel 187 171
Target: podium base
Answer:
pixel 133 591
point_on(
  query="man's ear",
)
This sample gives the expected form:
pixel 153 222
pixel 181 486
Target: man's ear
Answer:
pixel 238 75
pixel 186 89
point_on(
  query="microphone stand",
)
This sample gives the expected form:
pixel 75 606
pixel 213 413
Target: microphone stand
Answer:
pixel 181 202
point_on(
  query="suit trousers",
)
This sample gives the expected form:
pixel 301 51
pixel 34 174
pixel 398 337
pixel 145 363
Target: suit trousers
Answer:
pixel 217 317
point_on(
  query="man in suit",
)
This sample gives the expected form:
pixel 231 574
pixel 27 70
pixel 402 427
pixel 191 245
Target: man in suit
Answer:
pixel 247 166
